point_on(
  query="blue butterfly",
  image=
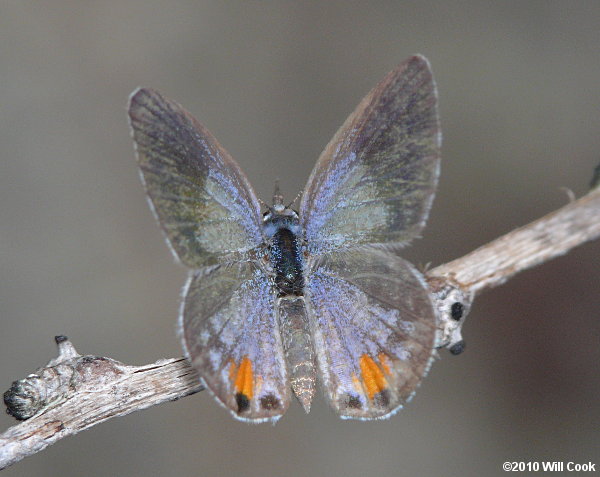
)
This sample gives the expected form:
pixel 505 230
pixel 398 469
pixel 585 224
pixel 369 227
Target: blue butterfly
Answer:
pixel 279 301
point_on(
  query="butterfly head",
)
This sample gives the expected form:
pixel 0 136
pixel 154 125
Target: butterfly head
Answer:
pixel 280 215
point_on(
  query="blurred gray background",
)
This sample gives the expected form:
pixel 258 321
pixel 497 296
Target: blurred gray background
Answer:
pixel 80 254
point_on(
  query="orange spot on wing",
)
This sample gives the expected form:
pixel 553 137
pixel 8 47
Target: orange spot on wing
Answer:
pixel 372 376
pixel 244 378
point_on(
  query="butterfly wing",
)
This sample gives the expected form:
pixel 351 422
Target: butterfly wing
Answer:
pixel 375 180
pixel 203 201
pixel 211 218
pixel 371 317
pixel 231 336
pixel 373 328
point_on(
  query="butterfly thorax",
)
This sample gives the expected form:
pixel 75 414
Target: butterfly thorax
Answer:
pixel 282 227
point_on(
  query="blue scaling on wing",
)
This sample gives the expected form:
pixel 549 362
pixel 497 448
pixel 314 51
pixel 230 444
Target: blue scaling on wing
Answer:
pixel 372 321
pixel 231 336
pixel 373 329
pixel 203 201
pixel 375 180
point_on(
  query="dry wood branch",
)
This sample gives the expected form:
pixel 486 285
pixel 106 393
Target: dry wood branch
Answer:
pixel 73 392
pixel 546 238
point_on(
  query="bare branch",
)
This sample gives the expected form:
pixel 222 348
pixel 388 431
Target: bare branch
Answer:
pixel 73 392
pixel 546 238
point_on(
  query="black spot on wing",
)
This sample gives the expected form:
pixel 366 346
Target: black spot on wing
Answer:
pixel 242 401
pixel 354 402
pixel 270 402
pixel 382 399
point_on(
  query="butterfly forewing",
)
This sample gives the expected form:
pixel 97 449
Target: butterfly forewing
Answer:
pixel 203 201
pixel 373 328
pixel 375 180
pixel 230 334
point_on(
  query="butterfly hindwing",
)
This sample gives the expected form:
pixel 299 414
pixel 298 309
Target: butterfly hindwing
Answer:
pixel 375 180
pixel 203 201
pixel 230 334
pixel 373 328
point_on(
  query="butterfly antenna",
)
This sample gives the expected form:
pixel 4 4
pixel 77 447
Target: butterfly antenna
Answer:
pixel 295 199
pixel 264 204
pixel 277 197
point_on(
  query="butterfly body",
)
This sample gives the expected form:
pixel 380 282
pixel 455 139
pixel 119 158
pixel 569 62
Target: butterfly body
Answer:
pixel 285 250
pixel 279 302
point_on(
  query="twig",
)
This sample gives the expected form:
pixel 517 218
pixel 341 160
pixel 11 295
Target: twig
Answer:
pixel 73 392
pixel 546 238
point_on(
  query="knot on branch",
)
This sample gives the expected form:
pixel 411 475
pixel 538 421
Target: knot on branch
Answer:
pixel 452 303
pixel 25 397
pixel 53 383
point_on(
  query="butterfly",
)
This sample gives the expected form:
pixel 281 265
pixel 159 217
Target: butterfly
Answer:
pixel 279 301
